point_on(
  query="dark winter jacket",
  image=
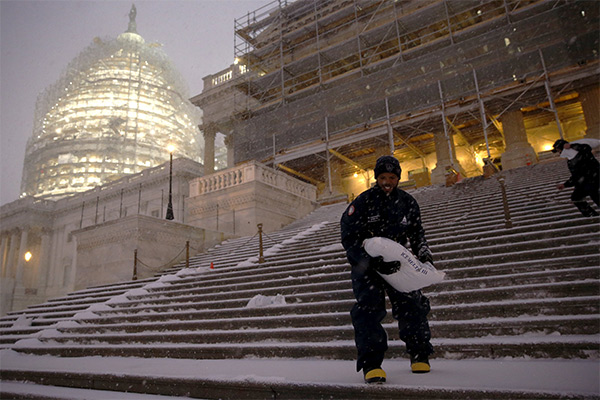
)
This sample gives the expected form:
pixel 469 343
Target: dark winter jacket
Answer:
pixel 584 167
pixel 373 213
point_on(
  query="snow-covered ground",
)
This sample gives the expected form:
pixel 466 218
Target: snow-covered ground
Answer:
pixel 568 377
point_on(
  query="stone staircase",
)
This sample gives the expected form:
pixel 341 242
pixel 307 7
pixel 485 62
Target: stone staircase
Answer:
pixel 519 285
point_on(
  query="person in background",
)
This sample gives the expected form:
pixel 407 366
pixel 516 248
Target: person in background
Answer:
pixel 385 211
pixel 585 173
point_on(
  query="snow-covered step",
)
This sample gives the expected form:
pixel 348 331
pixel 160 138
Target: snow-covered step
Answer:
pixel 572 325
pixel 538 346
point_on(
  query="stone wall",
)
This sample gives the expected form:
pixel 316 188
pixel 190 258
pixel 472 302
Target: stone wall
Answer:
pixel 235 200
pixel 106 252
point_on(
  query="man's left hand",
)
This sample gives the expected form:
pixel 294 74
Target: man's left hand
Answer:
pixel 425 255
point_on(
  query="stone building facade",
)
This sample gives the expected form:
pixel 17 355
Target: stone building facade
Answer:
pixel 94 238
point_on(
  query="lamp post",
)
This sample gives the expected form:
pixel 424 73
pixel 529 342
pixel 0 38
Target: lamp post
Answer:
pixel 170 215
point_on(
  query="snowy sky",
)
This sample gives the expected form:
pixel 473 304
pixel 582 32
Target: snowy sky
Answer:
pixel 39 38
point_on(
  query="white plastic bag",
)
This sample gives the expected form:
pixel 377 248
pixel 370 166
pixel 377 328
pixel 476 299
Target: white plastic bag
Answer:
pixel 412 275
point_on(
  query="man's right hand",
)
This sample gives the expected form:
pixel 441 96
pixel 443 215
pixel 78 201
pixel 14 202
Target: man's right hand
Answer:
pixel 383 267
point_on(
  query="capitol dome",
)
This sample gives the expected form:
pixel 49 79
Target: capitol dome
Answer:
pixel 113 112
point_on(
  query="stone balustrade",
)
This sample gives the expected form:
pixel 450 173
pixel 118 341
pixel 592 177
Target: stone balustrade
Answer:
pixel 224 76
pixel 252 171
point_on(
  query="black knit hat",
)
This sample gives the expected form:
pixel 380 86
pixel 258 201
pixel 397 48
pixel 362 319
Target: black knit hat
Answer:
pixel 558 145
pixel 387 164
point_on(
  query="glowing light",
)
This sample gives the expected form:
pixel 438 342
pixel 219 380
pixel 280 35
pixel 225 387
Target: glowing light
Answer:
pixel 28 256
pixel 356 175
pixel 170 148
pixel 479 160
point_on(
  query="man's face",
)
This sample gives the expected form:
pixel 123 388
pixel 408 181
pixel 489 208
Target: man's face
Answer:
pixel 387 181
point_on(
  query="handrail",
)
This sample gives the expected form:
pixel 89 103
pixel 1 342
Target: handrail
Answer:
pixel 136 260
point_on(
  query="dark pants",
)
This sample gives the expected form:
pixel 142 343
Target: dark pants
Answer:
pixel 409 309
pixel 580 192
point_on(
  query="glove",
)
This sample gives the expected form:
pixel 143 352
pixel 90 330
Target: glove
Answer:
pixel 425 255
pixel 383 267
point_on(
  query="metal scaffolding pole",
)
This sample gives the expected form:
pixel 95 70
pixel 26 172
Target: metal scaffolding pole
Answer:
pixel 482 112
pixel 549 94
pixel 358 39
pixel 397 35
pixel 445 124
pixel 448 22
pixel 318 44
pixel 507 11
pixel 282 70
pixel 328 155
pixel 389 127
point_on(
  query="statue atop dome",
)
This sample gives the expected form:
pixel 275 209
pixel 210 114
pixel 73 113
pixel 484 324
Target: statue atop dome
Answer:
pixel 132 27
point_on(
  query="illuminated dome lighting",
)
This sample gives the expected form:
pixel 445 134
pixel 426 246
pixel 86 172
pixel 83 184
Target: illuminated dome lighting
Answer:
pixel 112 113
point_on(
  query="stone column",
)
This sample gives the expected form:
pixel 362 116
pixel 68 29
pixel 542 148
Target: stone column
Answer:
pixel 44 262
pixel 21 259
pixel 10 259
pixel 444 159
pixel 3 255
pixel 55 261
pixel 590 102
pixel 70 281
pixel 209 149
pixel 229 142
pixel 7 283
pixel 336 175
pixel 337 190
pixel 518 152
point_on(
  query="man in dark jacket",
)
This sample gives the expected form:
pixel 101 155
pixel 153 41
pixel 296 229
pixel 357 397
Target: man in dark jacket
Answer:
pixel 585 174
pixel 386 211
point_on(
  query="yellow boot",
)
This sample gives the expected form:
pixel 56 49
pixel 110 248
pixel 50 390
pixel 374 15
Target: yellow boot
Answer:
pixel 376 375
pixel 419 364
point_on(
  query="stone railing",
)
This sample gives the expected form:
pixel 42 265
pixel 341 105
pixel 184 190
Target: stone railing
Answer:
pixel 252 171
pixel 131 182
pixel 28 203
pixel 224 76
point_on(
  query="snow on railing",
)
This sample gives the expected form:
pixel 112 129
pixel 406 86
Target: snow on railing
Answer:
pixel 249 172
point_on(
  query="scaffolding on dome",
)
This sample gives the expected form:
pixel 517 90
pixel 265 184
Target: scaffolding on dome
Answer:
pixel 112 112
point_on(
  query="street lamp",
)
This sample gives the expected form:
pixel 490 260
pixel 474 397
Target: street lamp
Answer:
pixel 170 215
